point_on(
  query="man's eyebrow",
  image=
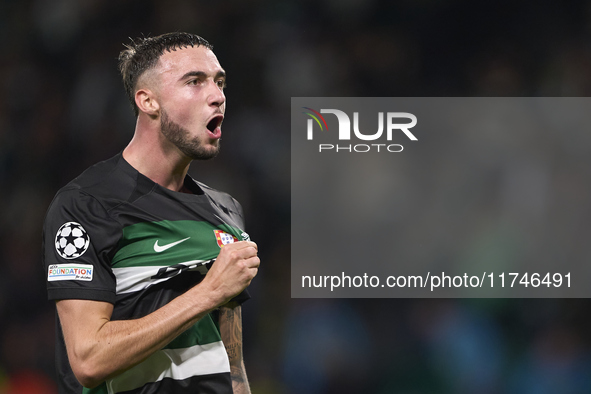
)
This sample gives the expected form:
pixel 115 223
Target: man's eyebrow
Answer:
pixel 201 74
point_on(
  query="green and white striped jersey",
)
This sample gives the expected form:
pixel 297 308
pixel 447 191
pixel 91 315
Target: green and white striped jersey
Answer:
pixel 113 235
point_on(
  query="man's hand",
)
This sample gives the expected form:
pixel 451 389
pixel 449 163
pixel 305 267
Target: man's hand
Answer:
pixel 235 267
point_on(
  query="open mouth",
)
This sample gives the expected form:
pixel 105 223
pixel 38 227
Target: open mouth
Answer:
pixel 215 122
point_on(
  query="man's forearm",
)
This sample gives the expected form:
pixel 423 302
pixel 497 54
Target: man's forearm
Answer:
pixel 231 332
pixel 239 380
pixel 106 350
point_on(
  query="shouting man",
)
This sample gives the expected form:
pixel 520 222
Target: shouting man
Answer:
pixel 147 266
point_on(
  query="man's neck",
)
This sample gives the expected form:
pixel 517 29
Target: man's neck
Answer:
pixel 156 159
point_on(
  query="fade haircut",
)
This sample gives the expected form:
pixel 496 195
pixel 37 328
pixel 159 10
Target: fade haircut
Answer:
pixel 143 53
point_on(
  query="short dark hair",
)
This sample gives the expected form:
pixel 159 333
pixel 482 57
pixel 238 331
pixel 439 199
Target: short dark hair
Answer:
pixel 143 53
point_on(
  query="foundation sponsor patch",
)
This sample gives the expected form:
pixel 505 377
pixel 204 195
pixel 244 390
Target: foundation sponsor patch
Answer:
pixel 70 272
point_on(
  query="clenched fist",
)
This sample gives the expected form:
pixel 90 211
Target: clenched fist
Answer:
pixel 235 267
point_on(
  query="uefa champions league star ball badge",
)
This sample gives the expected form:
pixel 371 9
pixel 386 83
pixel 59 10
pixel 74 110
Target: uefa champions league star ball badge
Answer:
pixel 71 240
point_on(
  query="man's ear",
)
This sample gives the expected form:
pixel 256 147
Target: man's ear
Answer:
pixel 146 101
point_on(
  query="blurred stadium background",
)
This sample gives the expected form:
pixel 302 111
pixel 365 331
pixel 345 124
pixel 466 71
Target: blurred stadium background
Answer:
pixel 62 108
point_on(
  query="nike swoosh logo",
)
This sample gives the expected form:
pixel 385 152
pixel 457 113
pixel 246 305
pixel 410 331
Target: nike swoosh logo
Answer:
pixel 162 248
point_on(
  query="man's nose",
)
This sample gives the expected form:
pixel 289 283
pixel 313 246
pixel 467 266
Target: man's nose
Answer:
pixel 216 95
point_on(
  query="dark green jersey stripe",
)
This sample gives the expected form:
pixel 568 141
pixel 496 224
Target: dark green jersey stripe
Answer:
pixel 101 389
pixel 169 242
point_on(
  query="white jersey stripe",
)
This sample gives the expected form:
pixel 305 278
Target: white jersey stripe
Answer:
pixel 177 364
pixel 130 279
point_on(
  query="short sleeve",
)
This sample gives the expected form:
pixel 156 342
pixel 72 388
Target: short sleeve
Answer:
pixel 242 297
pixel 79 240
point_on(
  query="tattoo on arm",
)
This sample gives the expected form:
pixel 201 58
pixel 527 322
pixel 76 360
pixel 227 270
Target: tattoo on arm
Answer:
pixel 231 332
pixel 238 375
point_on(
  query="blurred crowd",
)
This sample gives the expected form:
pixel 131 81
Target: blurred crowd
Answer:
pixel 63 108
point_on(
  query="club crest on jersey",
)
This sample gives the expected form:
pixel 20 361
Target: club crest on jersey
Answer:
pixel 224 238
pixel 71 240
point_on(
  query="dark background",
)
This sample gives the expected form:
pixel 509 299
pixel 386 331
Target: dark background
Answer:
pixel 62 108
